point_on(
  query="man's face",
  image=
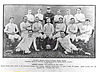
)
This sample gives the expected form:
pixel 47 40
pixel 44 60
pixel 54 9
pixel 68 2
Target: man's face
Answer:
pixel 11 20
pixel 36 19
pixel 39 11
pixel 60 20
pixel 68 11
pixel 29 11
pixel 48 20
pixel 62 34
pixel 25 19
pixel 72 21
pixel 48 10
pixel 58 12
pixel 78 11
pixel 87 22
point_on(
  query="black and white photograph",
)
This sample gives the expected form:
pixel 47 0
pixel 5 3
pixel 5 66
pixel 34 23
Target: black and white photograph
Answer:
pixel 49 31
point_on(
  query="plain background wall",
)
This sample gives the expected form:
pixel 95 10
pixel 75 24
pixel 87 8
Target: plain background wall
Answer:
pixel 18 11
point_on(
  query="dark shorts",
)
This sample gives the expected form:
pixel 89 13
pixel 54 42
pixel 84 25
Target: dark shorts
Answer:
pixel 47 41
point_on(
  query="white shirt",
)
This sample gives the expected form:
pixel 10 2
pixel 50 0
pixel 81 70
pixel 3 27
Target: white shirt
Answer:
pixel 72 28
pixel 24 26
pixel 11 28
pixel 40 16
pixel 48 29
pixel 56 17
pixel 60 27
pixel 37 26
pixel 67 18
pixel 80 17
pixel 30 17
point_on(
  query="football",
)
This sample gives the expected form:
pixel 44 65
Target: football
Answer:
pixel 48 47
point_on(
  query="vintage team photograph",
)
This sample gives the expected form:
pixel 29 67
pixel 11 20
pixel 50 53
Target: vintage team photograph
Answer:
pixel 49 31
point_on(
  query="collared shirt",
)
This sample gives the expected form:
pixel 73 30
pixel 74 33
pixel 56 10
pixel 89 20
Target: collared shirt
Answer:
pixel 37 26
pixel 48 29
pixel 40 16
pixel 30 17
pixel 11 28
pixel 67 18
pixel 80 17
pixel 56 17
pixel 25 26
pixel 60 27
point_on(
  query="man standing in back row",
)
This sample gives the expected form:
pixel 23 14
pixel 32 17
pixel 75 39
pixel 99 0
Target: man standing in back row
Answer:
pixel 39 15
pixel 67 17
pixel 30 17
pixel 56 17
pixel 48 14
pixel 48 33
pixel 80 17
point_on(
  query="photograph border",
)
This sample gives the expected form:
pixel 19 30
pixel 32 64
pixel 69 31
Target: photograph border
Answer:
pixel 52 5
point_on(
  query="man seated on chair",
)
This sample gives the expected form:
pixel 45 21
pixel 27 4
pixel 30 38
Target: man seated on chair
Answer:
pixel 85 31
pixel 37 29
pixel 26 34
pixel 48 34
pixel 11 30
pixel 72 29
pixel 60 26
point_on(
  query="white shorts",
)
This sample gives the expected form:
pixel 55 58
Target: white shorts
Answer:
pixel 84 37
pixel 15 36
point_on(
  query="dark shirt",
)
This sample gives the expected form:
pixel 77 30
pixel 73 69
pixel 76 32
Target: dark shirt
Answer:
pixel 50 15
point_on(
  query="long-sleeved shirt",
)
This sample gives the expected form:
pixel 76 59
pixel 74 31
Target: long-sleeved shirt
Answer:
pixel 48 29
pixel 11 28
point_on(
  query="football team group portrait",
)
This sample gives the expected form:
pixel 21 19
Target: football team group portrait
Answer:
pixel 49 31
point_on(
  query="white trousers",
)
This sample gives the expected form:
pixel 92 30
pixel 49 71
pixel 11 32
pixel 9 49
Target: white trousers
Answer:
pixel 84 37
pixel 70 47
pixel 25 43
pixel 15 36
